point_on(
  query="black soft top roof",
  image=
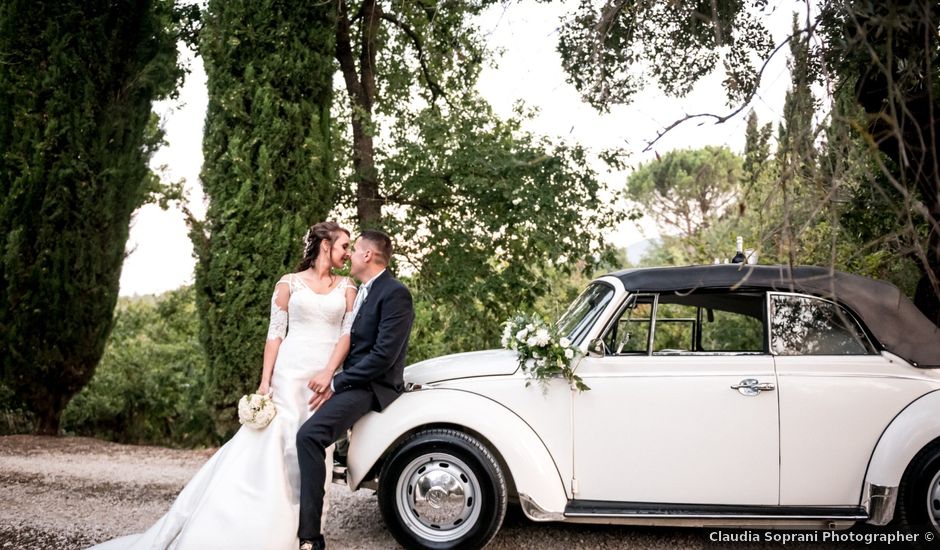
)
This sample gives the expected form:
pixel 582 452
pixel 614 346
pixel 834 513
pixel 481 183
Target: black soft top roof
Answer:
pixel 894 321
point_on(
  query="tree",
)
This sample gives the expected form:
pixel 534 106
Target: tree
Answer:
pixel 150 385
pixel 398 51
pixel 267 172
pixel 77 80
pixel 687 189
pixel 479 208
pixel 886 53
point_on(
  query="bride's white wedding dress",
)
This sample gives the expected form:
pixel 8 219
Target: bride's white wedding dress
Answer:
pixel 247 495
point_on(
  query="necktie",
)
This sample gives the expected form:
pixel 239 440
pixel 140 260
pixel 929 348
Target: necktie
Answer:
pixel 360 297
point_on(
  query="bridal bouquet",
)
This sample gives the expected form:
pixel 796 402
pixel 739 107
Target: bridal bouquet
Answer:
pixel 542 353
pixel 255 410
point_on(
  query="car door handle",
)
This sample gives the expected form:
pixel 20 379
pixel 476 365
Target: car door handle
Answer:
pixel 751 387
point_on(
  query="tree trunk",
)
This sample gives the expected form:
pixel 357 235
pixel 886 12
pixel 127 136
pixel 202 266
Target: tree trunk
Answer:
pixel 360 85
pixel 49 417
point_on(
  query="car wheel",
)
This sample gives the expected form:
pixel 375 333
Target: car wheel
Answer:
pixel 918 508
pixel 441 489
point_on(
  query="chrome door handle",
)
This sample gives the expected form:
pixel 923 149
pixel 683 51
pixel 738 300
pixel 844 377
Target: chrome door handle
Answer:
pixel 751 387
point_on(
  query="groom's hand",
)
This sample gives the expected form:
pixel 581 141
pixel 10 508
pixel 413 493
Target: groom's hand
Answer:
pixel 321 380
pixel 320 397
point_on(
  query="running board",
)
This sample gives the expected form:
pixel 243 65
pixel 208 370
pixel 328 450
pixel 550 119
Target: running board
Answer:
pixel 702 514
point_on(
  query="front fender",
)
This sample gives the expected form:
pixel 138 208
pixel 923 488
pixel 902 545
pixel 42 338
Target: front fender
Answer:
pixel 531 466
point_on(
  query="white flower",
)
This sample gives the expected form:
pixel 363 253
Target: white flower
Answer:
pixel 256 411
pixel 504 341
pixel 532 341
pixel 529 327
pixel 541 338
pixel 564 342
pixel 516 201
pixel 561 259
pixel 569 353
pixel 522 334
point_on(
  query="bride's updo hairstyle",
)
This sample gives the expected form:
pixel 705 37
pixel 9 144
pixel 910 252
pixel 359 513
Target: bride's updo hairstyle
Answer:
pixel 323 231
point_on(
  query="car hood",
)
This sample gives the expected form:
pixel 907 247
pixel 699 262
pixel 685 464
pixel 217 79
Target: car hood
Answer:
pixel 463 365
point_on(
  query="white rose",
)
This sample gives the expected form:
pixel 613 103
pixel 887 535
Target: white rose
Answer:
pixel 529 327
pixel 564 342
pixel 522 334
pixel 569 353
pixel 533 341
pixel 541 337
pixel 561 259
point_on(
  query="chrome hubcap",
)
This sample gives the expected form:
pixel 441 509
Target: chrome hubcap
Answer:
pixel 933 501
pixel 438 497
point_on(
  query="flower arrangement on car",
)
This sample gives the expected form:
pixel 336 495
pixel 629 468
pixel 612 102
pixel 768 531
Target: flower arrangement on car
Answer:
pixel 543 354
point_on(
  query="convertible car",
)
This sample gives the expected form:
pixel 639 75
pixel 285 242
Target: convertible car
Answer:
pixel 736 396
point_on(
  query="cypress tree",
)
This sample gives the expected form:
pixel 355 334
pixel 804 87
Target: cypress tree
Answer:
pixel 77 79
pixel 266 172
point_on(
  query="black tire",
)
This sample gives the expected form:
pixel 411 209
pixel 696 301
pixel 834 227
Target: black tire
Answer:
pixel 442 489
pixel 918 507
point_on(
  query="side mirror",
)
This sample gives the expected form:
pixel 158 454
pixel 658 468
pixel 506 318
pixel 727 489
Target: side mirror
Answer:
pixel 597 348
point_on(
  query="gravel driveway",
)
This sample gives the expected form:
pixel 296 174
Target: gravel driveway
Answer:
pixel 71 492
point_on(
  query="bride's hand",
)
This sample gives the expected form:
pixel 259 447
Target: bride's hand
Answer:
pixel 264 388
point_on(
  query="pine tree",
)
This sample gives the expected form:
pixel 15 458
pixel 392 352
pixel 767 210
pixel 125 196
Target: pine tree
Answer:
pixel 77 79
pixel 266 172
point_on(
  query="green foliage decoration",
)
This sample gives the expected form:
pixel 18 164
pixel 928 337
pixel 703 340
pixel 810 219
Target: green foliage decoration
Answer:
pixel 150 385
pixel 543 353
pixel 77 80
pixel 266 173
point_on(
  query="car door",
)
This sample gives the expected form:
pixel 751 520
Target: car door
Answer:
pixel 676 412
pixel 837 396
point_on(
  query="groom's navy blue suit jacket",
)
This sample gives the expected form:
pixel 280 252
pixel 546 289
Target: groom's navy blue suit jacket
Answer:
pixel 378 342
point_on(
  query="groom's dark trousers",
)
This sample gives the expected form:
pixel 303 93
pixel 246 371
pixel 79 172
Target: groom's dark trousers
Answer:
pixel 370 380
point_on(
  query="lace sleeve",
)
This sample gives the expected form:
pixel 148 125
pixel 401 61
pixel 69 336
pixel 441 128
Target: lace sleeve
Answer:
pixel 277 329
pixel 348 318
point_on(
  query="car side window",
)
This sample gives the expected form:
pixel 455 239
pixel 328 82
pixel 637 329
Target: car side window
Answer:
pixel 709 322
pixel 630 334
pixel 675 328
pixel 804 325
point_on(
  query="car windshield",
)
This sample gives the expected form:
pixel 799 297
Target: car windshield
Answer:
pixel 584 311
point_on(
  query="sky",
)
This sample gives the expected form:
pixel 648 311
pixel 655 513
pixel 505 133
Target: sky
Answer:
pixel 524 35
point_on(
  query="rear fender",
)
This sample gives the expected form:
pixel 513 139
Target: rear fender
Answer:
pixel 911 430
pixel 533 472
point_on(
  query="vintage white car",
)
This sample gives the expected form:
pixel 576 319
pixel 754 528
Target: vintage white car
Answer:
pixel 721 396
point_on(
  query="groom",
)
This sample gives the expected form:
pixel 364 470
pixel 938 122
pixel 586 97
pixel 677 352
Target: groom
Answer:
pixel 371 377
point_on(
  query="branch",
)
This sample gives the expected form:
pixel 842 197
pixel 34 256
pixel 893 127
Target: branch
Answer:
pixel 344 55
pixel 719 119
pixel 436 90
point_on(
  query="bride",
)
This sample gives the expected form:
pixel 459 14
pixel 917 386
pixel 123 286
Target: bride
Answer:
pixel 247 495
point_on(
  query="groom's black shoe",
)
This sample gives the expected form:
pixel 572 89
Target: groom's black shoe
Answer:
pixel 315 544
